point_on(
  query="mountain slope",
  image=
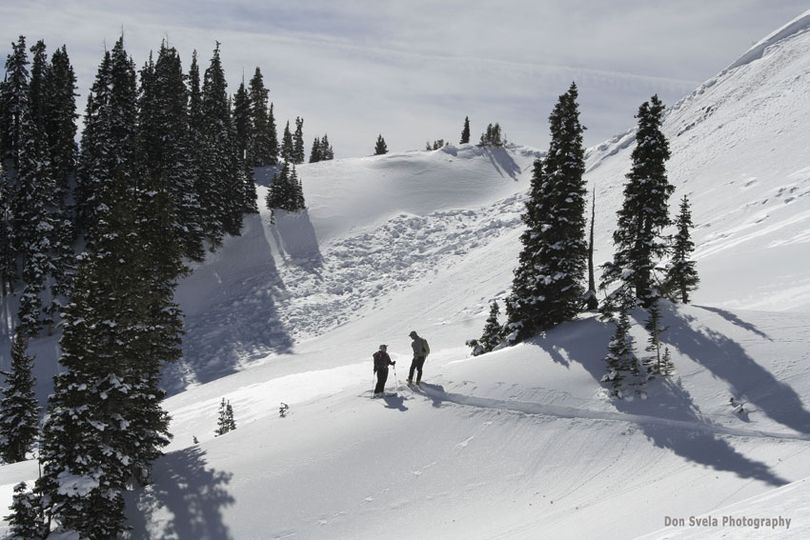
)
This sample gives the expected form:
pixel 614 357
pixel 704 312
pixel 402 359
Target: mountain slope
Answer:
pixel 522 442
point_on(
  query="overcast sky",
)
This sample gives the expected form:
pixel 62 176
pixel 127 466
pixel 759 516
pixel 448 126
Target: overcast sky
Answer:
pixel 412 69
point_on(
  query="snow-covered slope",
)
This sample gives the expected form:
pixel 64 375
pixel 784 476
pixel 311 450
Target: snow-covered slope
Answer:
pixel 521 443
pixel 739 151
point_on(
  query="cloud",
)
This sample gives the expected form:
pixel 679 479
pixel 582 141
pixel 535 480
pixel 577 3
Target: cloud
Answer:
pixel 412 70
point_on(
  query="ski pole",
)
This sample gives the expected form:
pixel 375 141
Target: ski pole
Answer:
pixel 395 376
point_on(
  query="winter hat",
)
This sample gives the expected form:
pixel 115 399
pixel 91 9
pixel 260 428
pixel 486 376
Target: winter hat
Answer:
pixel 413 333
pixel 383 347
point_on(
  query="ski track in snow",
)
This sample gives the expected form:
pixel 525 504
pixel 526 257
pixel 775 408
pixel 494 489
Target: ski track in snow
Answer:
pixel 556 411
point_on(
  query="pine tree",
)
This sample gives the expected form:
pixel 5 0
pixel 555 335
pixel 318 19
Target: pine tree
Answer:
pixel 15 99
pixel 325 149
pixel 492 136
pixel 8 255
pixel 380 147
pixel 297 202
pixel 591 302
pixel 682 277
pixel 242 124
pixel 223 197
pixel 493 331
pixel 32 204
pixel 654 328
pixel 637 238
pixel 547 287
pixel 286 191
pixel 465 133
pixel 19 410
pixel 622 364
pixel 60 131
pixel 243 140
pixel 298 141
pixel 168 154
pixel 26 521
pixel 105 424
pixel 229 417
pixel 272 137
pixel 287 145
pixel 315 153
pixel 225 420
pixel 96 150
pixel 264 144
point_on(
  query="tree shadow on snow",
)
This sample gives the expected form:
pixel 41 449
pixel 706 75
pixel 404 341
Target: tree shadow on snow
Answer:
pixel 727 360
pixel 502 161
pixel 734 319
pixel 231 316
pixel 666 416
pixel 295 237
pixel 185 502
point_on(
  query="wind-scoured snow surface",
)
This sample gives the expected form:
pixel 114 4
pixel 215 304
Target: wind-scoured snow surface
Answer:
pixel 523 442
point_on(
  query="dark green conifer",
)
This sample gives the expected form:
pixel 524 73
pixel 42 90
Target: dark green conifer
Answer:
pixel 19 410
pixel 298 141
pixel 644 214
pixel 682 277
pixel 287 145
pixel 380 147
pixel 315 153
pixel 548 285
pixel 465 133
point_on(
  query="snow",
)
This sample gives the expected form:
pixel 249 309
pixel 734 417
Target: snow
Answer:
pixel 523 442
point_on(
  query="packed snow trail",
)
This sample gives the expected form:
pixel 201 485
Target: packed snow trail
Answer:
pixel 707 425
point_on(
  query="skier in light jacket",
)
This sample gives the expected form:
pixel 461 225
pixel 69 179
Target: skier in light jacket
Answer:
pixel 420 352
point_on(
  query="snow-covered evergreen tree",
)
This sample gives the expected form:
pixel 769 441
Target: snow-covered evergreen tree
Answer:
pixel 325 149
pixel 60 132
pixel 19 410
pixel 380 147
pixel 493 331
pixel 622 363
pixel 225 420
pixel 33 205
pixel 492 136
pixel 638 236
pixel 14 98
pixel 264 142
pixel 166 151
pixel 315 152
pixel 547 288
pixel 682 277
pixel 465 132
pixel 8 255
pixel 26 521
pixel 287 145
pixel 298 141
pixel 286 191
pixel 272 136
pixel 105 424
pixel 243 127
pixel 96 150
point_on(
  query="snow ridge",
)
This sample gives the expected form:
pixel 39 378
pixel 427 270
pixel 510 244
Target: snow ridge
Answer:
pixel 798 25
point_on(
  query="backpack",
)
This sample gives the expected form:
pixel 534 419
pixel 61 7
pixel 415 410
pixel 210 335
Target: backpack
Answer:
pixel 425 347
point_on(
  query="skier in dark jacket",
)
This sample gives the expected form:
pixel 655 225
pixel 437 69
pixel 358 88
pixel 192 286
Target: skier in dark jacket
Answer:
pixel 381 363
pixel 420 352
